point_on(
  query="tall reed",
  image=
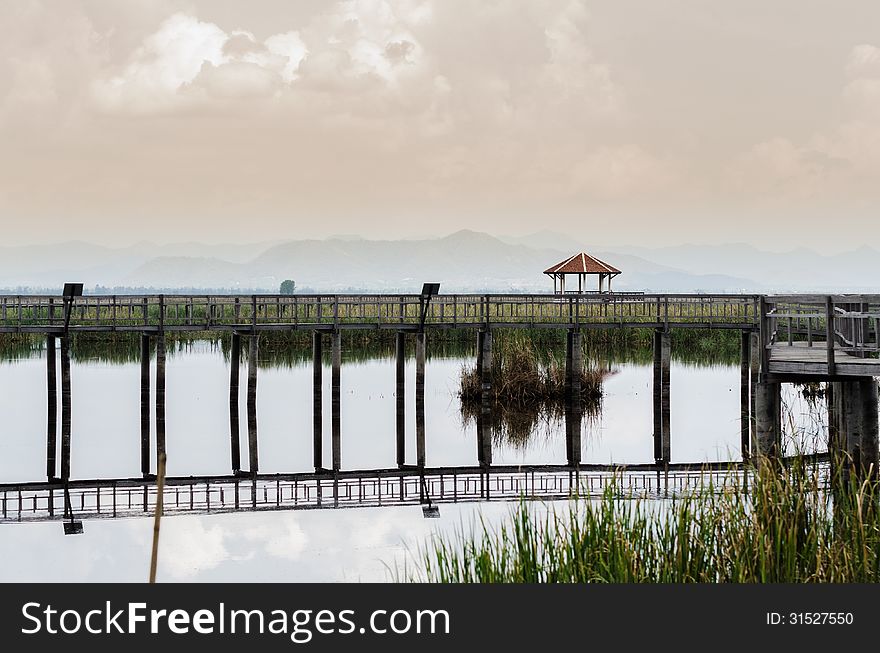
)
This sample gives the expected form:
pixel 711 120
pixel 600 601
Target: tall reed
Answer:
pixel 788 527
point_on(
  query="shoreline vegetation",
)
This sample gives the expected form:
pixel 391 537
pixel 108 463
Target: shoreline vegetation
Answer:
pixel 788 527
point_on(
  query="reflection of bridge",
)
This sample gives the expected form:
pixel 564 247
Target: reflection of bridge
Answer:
pixel 833 338
pixel 118 498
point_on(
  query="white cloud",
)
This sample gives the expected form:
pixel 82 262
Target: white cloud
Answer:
pixel 282 537
pixel 187 547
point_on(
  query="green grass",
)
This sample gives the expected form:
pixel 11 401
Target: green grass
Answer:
pixel 787 528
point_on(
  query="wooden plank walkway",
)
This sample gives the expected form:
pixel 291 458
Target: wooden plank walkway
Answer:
pixel 800 358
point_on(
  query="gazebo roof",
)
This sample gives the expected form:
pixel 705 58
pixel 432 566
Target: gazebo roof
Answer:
pixel 582 263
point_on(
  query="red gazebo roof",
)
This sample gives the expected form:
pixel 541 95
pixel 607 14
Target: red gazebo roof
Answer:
pixel 582 264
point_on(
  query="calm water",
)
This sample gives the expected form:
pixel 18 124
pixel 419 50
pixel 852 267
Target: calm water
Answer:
pixel 309 545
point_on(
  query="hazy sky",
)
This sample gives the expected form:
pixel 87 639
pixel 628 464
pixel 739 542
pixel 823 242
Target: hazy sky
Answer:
pixel 619 121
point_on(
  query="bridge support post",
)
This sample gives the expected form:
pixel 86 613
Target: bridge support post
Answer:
pixel 51 410
pixel 853 424
pixel 253 358
pixel 484 363
pixel 662 355
pixel 754 372
pixel 869 439
pixel 400 395
pixel 744 399
pixel 484 420
pixel 574 365
pixel 317 404
pixel 145 405
pixel 421 353
pixel 234 427
pixel 336 385
pixel 65 407
pixel 160 395
pixel 768 404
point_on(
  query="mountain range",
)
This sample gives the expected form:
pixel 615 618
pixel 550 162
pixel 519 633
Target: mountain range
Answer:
pixel 465 261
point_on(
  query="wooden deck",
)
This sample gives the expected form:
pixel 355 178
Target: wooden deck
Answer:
pixel 801 359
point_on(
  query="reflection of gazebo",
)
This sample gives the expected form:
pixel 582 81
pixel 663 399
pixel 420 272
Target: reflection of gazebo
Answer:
pixel 581 265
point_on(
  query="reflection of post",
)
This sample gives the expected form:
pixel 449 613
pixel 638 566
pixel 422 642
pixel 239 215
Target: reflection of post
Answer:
pixel 745 361
pixel 234 432
pixel 65 408
pixel 336 383
pixel 253 356
pixel 51 409
pixel 145 404
pixel 317 408
pixel 160 394
pixel 573 425
pixel 662 352
pixel 421 347
pixel 400 361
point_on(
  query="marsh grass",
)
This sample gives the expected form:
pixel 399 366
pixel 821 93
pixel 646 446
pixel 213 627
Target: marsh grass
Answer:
pixel 788 527
pixel 525 376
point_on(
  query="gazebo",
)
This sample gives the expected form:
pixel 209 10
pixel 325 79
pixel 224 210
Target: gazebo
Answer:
pixel 581 265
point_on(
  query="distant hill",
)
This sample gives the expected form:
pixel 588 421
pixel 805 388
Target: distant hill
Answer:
pixel 465 261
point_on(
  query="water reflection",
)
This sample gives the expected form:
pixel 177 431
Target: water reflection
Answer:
pixel 336 545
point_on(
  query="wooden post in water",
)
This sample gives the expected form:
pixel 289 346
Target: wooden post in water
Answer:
pixel 400 395
pixel 234 375
pixel 160 394
pixel 857 426
pixel 421 352
pixel 836 429
pixel 253 356
pixel 769 421
pixel 662 354
pixel 317 405
pixel 145 405
pixel 65 407
pixel 51 410
pixel 869 436
pixel 574 366
pixel 484 422
pixel 744 394
pixel 754 373
pixel 336 399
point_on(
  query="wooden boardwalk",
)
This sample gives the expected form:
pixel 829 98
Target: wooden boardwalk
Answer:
pixel 792 338
pixel 256 313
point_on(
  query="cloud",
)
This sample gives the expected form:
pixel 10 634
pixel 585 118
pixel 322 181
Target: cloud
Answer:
pixel 188 547
pixel 283 537
pixel 841 161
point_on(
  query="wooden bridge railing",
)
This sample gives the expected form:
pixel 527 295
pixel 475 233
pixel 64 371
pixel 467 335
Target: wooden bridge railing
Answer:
pixel 206 312
pixel 847 324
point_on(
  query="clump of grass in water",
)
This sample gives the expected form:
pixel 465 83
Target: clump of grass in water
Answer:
pixel 788 528
pixel 522 377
